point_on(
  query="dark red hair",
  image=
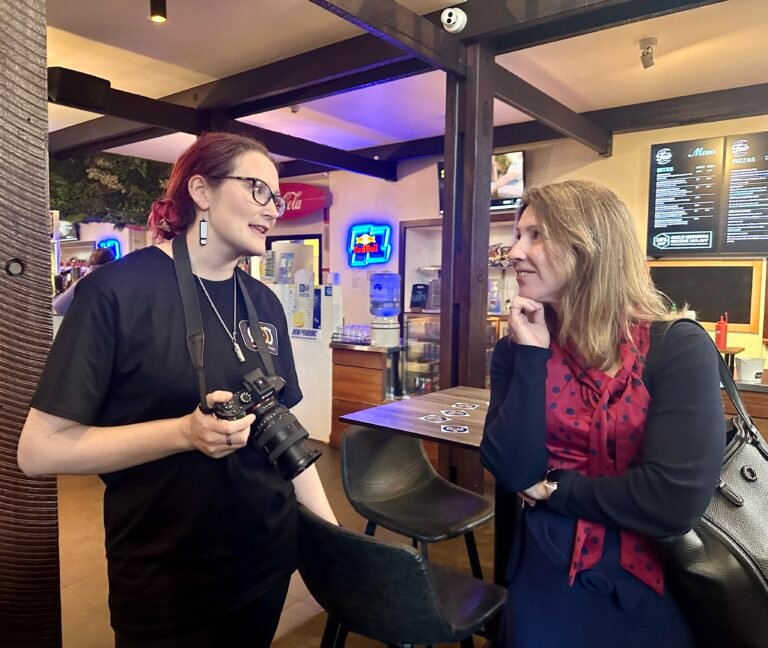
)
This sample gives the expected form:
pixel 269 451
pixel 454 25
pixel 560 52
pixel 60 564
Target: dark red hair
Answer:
pixel 213 154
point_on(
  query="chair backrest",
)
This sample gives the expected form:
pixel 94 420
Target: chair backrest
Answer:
pixel 380 590
pixel 378 465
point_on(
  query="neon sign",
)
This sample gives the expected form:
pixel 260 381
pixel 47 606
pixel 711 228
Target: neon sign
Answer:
pixel 369 244
pixel 111 244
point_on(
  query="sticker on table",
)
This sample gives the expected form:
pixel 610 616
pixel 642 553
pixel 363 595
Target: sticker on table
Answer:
pixel 454 429
pixel 452 412
pixel 465 406
pixel 434 418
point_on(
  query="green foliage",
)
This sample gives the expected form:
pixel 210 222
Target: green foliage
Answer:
pixel 106 188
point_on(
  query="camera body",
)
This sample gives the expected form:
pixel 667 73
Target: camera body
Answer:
pixel 257 387
pixel 454 20
pixel 276 431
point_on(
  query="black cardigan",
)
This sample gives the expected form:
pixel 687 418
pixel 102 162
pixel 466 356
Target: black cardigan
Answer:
pixel 681 457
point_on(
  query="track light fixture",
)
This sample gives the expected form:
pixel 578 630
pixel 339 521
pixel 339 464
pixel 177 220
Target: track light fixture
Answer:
pixel 157 12
pixel 646 51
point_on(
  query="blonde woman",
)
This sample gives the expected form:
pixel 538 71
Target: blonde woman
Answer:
pixel 608 453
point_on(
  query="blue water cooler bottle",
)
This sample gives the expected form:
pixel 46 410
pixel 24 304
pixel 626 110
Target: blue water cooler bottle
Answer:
pixel 385 307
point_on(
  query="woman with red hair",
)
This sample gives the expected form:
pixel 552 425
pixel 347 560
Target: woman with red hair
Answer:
pixel 200 526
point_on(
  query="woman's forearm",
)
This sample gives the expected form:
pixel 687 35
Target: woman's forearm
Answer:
pixel 51 445
pixel 310 493
pixel 514 441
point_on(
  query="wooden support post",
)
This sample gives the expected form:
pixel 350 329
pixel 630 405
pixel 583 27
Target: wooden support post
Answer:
pixel 466 228
pixel 30 608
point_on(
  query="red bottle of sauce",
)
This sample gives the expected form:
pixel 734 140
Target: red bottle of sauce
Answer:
pixel 721 332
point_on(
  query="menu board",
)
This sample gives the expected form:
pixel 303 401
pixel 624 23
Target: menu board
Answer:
pixel 686 190
pixel 709 197
pixel 746 172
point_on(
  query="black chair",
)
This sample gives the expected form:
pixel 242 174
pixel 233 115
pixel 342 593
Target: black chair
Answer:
pixel 390 482
pixel 389 592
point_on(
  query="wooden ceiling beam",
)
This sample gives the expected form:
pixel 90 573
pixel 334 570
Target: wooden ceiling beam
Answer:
pixel 512 25
pixel 86 92
pixel 399 26
pixel 332 63
pixel 520 94
pixel 322 71
pixel 358 81
pixel 720 105
pixel 327 157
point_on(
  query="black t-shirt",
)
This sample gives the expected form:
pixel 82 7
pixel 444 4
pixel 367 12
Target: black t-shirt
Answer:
pixel 188 537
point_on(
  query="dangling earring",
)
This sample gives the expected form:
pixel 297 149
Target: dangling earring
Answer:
pixel 203 231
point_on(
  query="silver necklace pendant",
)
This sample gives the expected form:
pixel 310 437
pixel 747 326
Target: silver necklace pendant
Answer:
pixel 238 351
pixel 233 335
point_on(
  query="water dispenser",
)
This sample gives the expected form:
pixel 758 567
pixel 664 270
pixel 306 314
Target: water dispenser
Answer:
pixel 385 307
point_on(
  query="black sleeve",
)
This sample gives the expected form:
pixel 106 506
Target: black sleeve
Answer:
pixel 77 374
pixel 682 453
pixel 513 446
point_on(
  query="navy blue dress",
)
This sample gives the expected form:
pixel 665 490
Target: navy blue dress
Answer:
pixel 606 607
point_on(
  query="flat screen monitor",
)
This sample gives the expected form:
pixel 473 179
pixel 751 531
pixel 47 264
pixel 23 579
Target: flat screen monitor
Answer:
pixel 68 231
pixel 507 181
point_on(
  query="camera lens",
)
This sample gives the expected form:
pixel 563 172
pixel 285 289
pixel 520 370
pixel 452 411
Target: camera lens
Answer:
pixel 276 431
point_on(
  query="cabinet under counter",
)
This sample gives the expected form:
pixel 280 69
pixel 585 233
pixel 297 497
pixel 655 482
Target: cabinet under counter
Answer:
pixel 363 376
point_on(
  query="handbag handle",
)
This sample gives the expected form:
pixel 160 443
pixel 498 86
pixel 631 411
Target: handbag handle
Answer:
pixel 726 379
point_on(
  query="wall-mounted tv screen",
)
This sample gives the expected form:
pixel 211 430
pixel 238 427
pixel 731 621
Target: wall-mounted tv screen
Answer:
pixel 507 181
pixel 68 231
pixel 709 197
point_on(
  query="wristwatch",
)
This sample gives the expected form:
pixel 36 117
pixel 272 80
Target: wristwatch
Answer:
pixel 552 477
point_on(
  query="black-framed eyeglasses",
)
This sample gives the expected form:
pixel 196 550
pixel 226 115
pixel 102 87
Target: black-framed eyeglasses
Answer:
pixel 261 192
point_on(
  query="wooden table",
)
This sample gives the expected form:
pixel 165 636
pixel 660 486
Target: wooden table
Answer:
pixel 404 416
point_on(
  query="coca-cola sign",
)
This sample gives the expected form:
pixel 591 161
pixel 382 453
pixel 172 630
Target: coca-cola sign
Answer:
pixel 303 199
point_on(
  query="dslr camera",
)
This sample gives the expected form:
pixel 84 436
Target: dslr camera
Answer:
pixel 276 431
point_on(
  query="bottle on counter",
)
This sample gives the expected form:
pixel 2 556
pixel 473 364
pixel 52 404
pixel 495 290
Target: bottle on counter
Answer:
pixel 721 332
pixel 494 299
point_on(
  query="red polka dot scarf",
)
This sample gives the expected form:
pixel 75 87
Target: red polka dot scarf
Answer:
pixel 596 425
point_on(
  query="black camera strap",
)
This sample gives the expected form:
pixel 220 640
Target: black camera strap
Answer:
pixel 254 324
pixel 192 319
pixel 194 322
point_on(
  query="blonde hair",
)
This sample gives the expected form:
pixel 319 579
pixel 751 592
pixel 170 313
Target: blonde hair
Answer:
pixel 609 286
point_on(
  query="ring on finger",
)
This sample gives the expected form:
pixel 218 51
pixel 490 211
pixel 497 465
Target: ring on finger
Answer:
pixel 229 439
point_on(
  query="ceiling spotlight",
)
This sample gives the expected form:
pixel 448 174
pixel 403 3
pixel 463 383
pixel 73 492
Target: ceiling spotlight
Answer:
pixel 646 51
pixel 294 108
pixel 157 12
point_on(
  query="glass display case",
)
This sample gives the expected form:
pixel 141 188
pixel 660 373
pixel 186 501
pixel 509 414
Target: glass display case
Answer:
pixel 421 353
pixel 420 259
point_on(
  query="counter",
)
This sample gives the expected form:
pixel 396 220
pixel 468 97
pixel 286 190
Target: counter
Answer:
pixel 363 376
pixel 755 397
pixel 366 348
pixel 751 387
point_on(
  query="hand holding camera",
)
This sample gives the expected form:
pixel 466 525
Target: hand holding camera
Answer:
pixel 277 432
pixel 215 436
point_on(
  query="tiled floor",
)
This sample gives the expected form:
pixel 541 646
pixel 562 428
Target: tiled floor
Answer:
pixel 84 577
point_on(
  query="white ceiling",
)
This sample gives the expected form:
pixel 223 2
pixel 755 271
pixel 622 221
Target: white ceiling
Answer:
pixel 709 48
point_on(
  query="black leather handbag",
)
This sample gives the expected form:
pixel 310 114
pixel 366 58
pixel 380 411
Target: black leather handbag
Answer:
pixel 719 569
